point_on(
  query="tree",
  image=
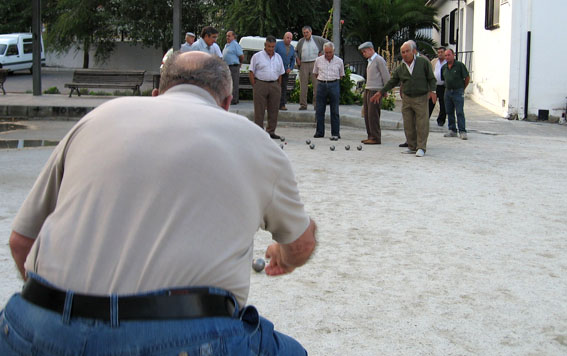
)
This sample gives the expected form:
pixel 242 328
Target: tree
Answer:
pixel 87 24
pixel 397 19
pixel 150 21
pixel 274 17
pixel 16 16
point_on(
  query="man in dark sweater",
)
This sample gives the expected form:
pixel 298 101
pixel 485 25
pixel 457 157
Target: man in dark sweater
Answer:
pixel 418 85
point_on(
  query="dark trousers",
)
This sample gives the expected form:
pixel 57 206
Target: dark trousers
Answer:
pixel 235 74
pixel 371 113
pixel 331 91
pixel 283 98
pixel 440 91
pixel 454 103
pixel 266 96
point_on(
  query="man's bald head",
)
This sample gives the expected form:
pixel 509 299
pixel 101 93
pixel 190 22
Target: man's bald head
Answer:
pixel 200 69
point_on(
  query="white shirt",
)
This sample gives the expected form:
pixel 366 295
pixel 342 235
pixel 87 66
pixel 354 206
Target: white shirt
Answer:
pixel 309 52
pixel 373 57
pixel 437 72
pixel 329 70
pixel 202 46
pixel 410 66
pixel 266 68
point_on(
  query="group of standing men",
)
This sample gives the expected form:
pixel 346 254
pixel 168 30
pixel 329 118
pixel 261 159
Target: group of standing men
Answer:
pixel 420 86
pixel 232 53
pixel 269 75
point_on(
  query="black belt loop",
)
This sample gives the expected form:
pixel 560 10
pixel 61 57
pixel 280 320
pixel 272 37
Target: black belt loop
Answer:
pixel 174 304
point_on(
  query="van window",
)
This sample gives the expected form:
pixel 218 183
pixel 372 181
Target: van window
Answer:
pixel 12 50
pixel 2 48
pixel 248 56
pixel 28 45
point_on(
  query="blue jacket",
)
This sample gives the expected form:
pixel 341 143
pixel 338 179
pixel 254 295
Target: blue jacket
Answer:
pixel 288 60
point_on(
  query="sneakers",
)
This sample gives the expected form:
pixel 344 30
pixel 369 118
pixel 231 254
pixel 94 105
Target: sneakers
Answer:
pixel 450 134
pixel 420 153
pixel 463 136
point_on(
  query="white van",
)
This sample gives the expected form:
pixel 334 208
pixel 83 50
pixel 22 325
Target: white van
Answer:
pixel 16 51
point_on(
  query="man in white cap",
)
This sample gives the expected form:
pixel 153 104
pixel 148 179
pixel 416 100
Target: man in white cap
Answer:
pixel 189 40
pixel 377 75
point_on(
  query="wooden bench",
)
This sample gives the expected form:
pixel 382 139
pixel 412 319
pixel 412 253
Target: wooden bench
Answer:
pixel 3 75
pixel 244 82
pixel 107 79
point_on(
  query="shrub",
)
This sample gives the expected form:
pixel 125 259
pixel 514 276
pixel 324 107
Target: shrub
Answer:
pixel 52 90
pixel 389 102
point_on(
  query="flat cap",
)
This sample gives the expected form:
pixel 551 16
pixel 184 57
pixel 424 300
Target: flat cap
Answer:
pixel 367 44
pixel 190 34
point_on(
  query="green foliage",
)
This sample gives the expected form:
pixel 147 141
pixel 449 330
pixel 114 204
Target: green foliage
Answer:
pixel 16 16
pixel 398 19
pixel 296 92
pixel 87 23
pixel 273 17
pixel 389 102
pixel 150 21
pixel 347 95
pixel 52 90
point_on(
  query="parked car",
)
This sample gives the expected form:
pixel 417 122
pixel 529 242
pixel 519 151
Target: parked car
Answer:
pixel 16 51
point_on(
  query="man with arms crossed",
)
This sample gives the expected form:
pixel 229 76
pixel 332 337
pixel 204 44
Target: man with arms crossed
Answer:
pixel 137 237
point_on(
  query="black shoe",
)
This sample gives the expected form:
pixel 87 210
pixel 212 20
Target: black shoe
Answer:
pixel 274 136
pixel 440 122
pixel 318 136
pixel 335 138
pixel 405 144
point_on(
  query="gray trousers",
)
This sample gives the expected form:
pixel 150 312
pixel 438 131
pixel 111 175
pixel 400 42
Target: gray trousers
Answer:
pixel 235 74
pixel 371 113
pixel 306 73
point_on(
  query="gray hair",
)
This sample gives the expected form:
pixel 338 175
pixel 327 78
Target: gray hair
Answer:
pixel 329 44
pixel 306 27
pixel 411 43
pixel 209 73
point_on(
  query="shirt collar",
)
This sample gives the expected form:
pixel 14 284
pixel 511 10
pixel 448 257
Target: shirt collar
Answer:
pixel 373 57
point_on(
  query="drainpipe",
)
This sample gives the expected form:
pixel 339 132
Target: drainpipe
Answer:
pixel 528 50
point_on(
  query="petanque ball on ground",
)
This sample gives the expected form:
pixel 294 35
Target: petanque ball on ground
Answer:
pixel 332 148
pixel 359 147
pixel 308 142
pixel 311 146
pixel 258 264
pixel 347 147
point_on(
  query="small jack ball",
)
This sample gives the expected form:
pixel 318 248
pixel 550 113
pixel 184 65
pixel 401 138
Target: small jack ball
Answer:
pixel 347 147
pixel 308 142
pixel 258 264
pixel 311 146
pixel 332 148
pixel 359 147
pixel 282 138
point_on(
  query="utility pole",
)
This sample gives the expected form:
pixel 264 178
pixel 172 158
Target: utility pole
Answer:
pixel 176 24
pixel 337 25
pixel 36 45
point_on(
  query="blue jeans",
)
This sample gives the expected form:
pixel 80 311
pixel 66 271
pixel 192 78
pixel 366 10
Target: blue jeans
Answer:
pixel 26 329
pixel 332 91
pixel 454 102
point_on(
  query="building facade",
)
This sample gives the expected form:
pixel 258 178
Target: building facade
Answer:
pixel 512 50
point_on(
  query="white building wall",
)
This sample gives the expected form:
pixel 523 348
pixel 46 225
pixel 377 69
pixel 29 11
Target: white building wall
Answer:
pixel 126 55
pixel 548 77
pixel 493 60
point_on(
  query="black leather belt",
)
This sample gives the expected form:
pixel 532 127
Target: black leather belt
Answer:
pixel 233 65
pixel 175 304
pixel 266 81
pixel 328 81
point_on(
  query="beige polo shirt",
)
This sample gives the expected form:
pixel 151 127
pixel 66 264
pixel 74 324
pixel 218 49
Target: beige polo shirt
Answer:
pixel 151 193
pixel 329 70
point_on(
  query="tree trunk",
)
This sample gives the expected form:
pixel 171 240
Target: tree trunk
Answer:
pixel 86 49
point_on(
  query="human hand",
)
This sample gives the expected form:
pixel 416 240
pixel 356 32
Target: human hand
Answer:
pixel 276 266
pixel 287 71
pixel 433 97
pixel 376 97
